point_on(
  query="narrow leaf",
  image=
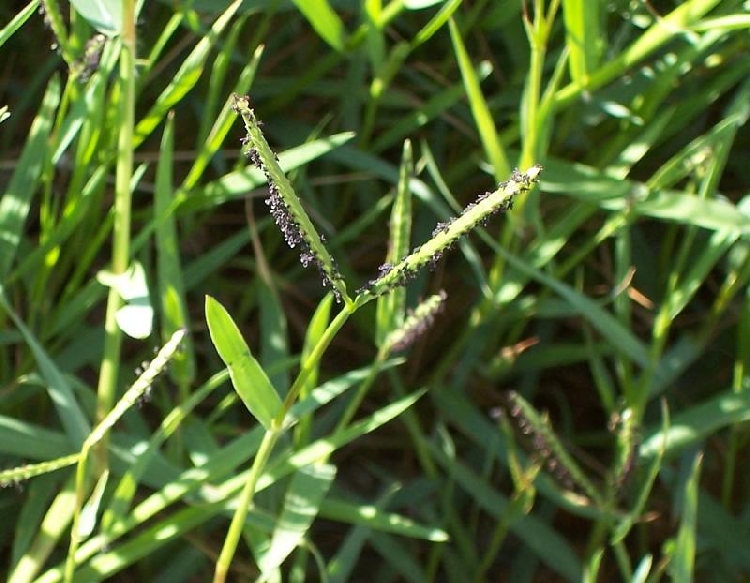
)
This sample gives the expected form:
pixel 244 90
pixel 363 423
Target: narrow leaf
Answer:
pixel 324 20
pixel 493 147
pixel 303 498
pixel 171 285
pixel 59 390
pixel 16 201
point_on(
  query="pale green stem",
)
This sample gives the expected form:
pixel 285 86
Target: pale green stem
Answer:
pixel 244 504
pixel 314 357
pixel 107 388
pixel 245 500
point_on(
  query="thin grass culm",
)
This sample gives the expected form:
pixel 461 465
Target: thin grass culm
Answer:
pixel 106 390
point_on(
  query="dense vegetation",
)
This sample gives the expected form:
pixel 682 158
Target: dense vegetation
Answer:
pixel 441 290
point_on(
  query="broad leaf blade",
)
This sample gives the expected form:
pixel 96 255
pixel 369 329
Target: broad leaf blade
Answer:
pixel 248 377
pixel 103 15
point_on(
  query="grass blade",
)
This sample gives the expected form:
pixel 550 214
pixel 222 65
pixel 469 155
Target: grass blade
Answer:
pixel 16 201
pixel 582 37
pixel 248 378
pixel 491 142
pixel 324 20
pixel 306 491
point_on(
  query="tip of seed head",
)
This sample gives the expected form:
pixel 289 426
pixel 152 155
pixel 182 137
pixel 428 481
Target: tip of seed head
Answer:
pixel 533 172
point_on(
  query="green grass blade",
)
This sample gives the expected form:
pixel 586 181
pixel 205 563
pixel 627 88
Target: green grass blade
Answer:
pixel 60 392
pixel 325 447
pixel 171 287
pixel 399 557
pixel 659 34
pixel 306 491
pixel 611 194
pixel 607 325
pixel 582 37
pixel 274 341
pixel 548 545
pixel 29 441
pixel 51 531
pixel 491 142
pixel 391 308
pixel 248 378
pixel 117 511
pixel 30 515
pixel 683 567
pixel 696 423
pixel 435 23
pixel 438 104
pixel 380 520
pixel 185 79
pixel 324 20
pixel 315 330
pixel 16 200
pixel 18 21
pixel 215 140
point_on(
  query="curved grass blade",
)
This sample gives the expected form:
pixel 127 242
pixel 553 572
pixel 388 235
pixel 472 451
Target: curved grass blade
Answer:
pixel 59 390
pixel 582 37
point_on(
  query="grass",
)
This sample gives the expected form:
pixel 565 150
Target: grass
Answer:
pixel 458 372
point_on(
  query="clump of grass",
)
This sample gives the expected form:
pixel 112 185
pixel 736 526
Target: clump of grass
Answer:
pixel 606 311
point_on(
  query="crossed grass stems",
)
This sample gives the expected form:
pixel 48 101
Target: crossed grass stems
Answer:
pixel 545 449
pixel 299 232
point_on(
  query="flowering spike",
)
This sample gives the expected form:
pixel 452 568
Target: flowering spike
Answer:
pixel 286 208
pixel 446 234
pixel 416 324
